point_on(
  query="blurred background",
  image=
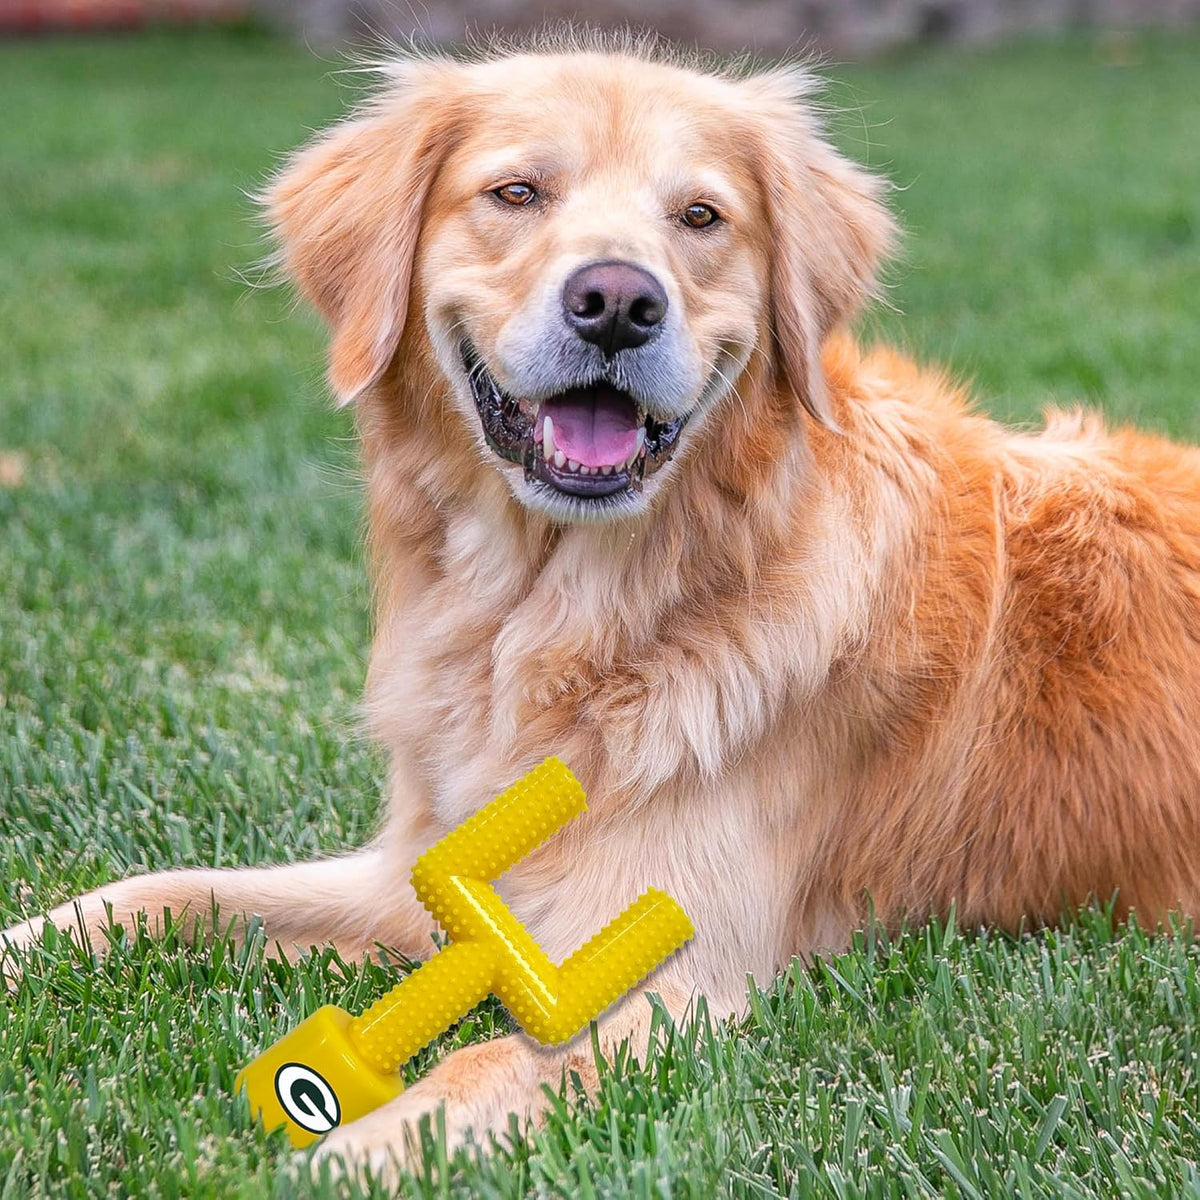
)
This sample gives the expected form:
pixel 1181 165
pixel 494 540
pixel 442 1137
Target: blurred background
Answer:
pixel 858 27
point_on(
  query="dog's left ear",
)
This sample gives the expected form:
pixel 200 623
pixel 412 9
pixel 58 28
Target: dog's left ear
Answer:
pixel 347 211
pixel 830 231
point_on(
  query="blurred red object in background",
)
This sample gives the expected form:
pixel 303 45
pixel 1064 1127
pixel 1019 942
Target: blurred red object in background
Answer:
pixel 37 16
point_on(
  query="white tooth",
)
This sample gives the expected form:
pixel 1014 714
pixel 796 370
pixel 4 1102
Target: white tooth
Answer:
pixel 641 441
pixel 548 438
pixel 584 470
pixel 572 465
pixel 607 470
pixel 560 459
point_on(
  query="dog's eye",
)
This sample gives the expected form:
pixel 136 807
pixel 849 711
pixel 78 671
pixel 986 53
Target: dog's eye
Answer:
pixel 515 193
pixel 699 216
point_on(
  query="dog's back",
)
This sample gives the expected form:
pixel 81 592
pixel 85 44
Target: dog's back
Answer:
pixel 1040 654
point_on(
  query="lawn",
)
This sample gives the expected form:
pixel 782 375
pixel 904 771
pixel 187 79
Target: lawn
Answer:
pixel 183 625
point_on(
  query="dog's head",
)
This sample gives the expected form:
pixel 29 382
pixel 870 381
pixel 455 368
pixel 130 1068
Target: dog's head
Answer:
pixel 595 245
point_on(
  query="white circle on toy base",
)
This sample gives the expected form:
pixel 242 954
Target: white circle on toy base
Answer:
pixel 307 1098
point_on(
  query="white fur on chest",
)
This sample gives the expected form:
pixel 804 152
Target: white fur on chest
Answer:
pixel 595 633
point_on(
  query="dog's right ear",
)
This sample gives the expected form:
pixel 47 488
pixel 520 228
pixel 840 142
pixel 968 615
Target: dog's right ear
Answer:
pixel 347 210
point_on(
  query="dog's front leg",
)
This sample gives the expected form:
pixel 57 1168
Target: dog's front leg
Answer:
pixel 480 1087
pixel 354 903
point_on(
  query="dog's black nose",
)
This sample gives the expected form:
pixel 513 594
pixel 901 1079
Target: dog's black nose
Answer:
pixel 614 305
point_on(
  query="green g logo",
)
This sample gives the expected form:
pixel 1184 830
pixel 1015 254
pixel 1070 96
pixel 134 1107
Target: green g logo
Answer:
pixel 307 1098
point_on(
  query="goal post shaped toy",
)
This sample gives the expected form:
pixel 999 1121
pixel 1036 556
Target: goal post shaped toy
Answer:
pixel 333 1068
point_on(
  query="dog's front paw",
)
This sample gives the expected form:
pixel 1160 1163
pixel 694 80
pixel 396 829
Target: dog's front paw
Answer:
pixel 470 1096
pixel 386 1143
pixel 21 937
pixel 15 943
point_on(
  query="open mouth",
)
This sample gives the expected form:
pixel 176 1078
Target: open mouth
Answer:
pixel 591 441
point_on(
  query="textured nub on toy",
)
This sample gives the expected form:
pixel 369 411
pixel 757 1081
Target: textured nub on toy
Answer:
pixel 334 1068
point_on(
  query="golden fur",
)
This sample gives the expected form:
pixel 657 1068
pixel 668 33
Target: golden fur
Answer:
pixel 859 645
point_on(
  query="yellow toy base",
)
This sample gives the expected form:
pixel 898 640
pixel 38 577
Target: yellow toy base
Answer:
pixel 285 1086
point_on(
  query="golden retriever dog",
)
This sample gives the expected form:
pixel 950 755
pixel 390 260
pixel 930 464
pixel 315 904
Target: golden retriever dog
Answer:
pixel 814 635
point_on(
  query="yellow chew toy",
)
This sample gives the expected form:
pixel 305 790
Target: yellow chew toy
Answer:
pixel 334 1068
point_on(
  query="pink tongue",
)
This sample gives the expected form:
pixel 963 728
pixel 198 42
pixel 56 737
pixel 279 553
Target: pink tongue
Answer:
pixel 595 426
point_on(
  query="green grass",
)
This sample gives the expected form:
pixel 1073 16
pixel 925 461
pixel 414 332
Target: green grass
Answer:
pixel 183 628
